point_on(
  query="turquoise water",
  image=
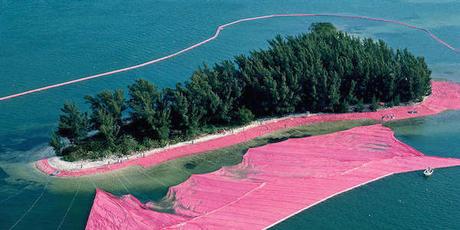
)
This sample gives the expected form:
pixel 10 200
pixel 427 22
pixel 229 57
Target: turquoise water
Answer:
pixel 44 42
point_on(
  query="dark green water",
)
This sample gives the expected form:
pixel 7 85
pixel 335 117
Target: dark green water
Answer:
pixel 43 42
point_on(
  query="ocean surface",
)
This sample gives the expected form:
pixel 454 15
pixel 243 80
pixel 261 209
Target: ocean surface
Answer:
pixel 46 42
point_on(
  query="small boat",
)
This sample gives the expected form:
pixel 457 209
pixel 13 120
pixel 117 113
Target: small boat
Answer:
pixel 428 172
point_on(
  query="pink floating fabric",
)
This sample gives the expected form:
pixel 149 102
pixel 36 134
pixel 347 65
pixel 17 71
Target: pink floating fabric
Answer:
pixel 272 183
pixel 445 96
pixel 127 213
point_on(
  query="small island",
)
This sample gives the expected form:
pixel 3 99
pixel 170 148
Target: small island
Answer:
pixel 325 70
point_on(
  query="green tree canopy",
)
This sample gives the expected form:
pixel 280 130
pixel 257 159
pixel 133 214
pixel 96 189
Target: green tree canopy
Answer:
pixel 73 124
pixel 325 70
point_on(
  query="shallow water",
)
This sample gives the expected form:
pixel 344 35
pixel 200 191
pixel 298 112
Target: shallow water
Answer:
pixel 43 42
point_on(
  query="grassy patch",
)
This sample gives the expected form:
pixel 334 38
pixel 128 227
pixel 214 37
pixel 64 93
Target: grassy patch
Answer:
pixel 215 159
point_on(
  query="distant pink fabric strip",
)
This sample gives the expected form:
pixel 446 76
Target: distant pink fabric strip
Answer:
pixel 216 34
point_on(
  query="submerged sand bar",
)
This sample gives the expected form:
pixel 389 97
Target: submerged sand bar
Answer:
pixel 445 96
pixel 272 183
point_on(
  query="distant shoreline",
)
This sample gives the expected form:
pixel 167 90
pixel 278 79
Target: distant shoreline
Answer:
pixel 445 96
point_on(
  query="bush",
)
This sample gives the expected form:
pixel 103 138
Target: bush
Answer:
pixel 389 104
pixel 245 116
pixel 95 146
pixel 359 106
pixel 343 107
pixel 150 144
pixel 75 154
pixel 127 145
pixel 374 104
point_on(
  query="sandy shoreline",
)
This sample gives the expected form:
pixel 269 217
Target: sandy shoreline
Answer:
pixel 60 164
pixel 445 96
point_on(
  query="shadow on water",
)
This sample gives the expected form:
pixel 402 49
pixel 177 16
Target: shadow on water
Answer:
pixel 24 146
pixel 3 174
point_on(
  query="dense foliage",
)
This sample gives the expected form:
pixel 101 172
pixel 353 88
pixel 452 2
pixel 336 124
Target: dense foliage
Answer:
pixel 322 71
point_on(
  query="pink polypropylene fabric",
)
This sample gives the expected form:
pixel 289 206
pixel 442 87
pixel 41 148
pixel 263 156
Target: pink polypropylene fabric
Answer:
pixel 445 96
pixel 272 183
pixel 216 34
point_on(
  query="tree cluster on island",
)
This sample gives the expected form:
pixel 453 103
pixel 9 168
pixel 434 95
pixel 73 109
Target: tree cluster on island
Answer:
pixel 325 70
